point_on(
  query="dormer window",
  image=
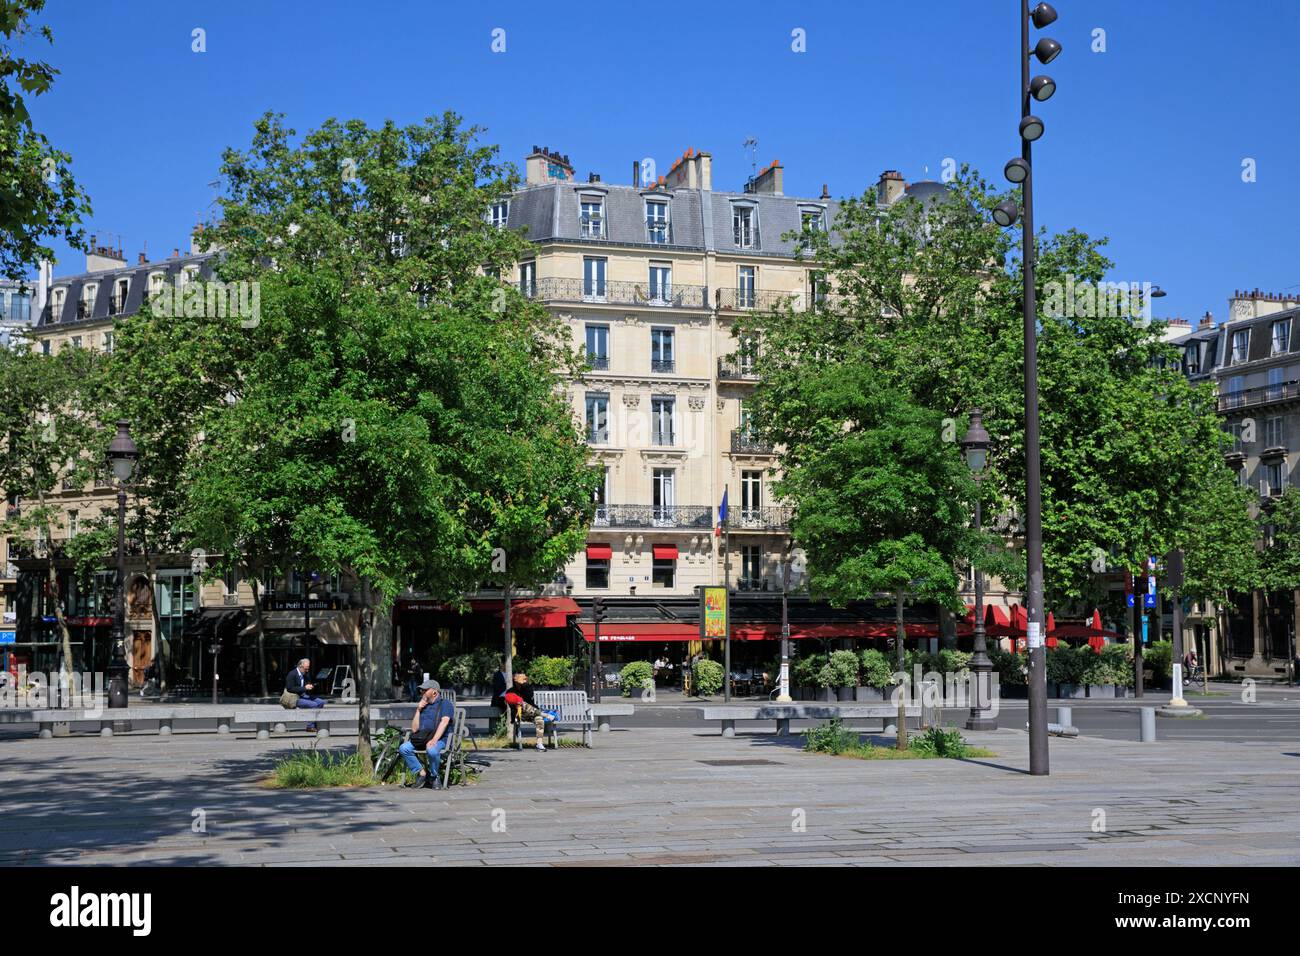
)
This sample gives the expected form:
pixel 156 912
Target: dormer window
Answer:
pixel 592 222
pixel 500 214
pixel 57 298
pixel 189 274
pixel 812 220
pixel 744 226
pixel 1281 336
pixel 1191 359
pixel 656 220
pixel 87 304
pixel 118 302
pixel 1240 346
pixel 156 280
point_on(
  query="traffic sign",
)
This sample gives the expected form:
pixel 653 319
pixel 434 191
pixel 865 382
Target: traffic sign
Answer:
pixel 1131 602
pixel 1148 600
pixel 8 637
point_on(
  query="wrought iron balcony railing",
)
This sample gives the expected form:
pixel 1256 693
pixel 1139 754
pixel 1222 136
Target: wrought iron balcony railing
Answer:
pixel 653 516
pixel 737 368
pixel 755 300
pixel 747 443
pixel 662 365
pixel 768 518
pixel 672 295
pixel 1260 395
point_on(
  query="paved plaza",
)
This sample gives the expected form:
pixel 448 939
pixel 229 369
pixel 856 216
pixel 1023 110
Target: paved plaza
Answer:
pixel 660 796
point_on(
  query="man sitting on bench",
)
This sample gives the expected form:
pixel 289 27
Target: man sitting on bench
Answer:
pixel 519 700
pixel 430 733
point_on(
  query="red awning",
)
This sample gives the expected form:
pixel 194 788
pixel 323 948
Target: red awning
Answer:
pixel 665 552
pixel 994 614
pixel 598 552
pixel 542 612
pixel 768 632
pixel 642 631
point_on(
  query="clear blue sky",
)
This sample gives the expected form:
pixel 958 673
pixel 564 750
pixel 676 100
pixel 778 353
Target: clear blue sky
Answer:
pixel 1144 142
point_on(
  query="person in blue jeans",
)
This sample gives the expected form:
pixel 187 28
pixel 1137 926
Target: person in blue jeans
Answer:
pixel 430 733
pixel 296 683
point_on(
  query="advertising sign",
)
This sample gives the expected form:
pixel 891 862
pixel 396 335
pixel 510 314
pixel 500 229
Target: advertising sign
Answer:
pixel 715 612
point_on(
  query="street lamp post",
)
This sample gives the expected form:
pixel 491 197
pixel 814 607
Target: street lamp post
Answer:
pixel 1020 171
pixel 975 448
pixel 784 695
pixel 122 455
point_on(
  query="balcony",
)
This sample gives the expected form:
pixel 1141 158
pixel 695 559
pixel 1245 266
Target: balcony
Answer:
pixel 663 366
pixel 653 516
pixel 744 442
pixel 1260 395
pixel 769 518
pixel 598 363
pixel 753 300
pixel 621 293
pixel 737 368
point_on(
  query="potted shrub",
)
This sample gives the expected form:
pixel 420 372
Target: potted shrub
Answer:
pixel 844 673
pixel 1012 669
pixel 708 677
pixel 1095 674
pixel 877 676
pixel 456 673
pixel 634 675
pixel 1119 667
pixel 807 676
pixel 1158 658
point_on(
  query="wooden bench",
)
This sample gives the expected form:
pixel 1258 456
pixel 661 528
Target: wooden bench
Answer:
pixel 728 714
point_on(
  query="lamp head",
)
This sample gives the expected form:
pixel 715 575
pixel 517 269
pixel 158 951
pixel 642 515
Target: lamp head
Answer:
pixel 1031 128
pixel 122 453
pixel 1042 87
pixel 1005 213
pixel 975 443
pixel 1043 15
pixel 1016 170
pixel 1047 50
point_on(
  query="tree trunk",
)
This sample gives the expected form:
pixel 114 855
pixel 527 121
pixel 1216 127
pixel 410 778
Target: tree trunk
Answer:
pixel 364 656
pixel 902 697
pixel 261 631
pixel 52 577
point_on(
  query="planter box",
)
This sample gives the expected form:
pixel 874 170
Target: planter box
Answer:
pixel 1101 690
pixel 846 693
pixel 870 694
pixel 1122 691
pixel 827 694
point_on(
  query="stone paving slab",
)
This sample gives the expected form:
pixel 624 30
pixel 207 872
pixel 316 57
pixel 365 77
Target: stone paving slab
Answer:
pixel 647 798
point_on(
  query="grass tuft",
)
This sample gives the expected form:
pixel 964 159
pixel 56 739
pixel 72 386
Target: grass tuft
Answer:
pixel 835 739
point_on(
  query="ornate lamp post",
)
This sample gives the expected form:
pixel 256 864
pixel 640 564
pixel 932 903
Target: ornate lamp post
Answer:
pixel 975 449
pixel 122 455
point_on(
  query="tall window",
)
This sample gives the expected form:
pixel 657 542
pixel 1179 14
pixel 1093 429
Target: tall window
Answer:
pixel 1281 336
pixel 1233 394
pixel 156 280
pixel 1240 346
pixel 593 218
pixel 108 341
pixel 663 498
pixel 664 570
pixel 597 572
pixel 528 278
pixel 1191 358
pixel 597 418
pixel 751 495
pixel 661 419
pixel 751 566
pixel 601 499
pixel 746 420
pixel 661 350
pixel 1276 383
pixel 656 220
pixel 812 220
pixel 57 297
pixel 593 278
pixel 745 287
pixel 817 289
pixel 743 226
pixel 1274 478
pixel 1235 430
pixel 500 214
pixel 747 353
pixel 73 525
pixel 87 306
pixel 1273 432
pixel 598 346
pixel 661 282
pixel 120 288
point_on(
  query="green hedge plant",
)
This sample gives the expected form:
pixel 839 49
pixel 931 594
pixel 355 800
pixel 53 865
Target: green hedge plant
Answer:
pixel 843 669
pixel 708 677
pixel 876 669
pixel 634 675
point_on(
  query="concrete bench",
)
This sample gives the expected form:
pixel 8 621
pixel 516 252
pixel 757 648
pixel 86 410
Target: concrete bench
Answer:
pixel 50 721
pixel 603 712
pixel 728 714
pixel 268 717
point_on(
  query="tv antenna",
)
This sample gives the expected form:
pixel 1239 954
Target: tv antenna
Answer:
pixel 751 144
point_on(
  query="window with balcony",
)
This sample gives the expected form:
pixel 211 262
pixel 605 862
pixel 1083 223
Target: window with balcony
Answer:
pixel 86 307
pixel 57 298
pixel 662 409
pixel 1274 479
pixel 156 280
pixel 744 222
pixel 597 418
pixel 120 288
pixel 751 495
pixel 746 283
pixel 656 221
pixel 812 220
pixel 593 278
pixel 1235 430
pixel 661 350
pixel 592 222
pixel 528 279
pixel 1276 384
pixel 661 282
pixel 500 214
pixel 1240 346
pixel 1281 336
pixel 600 497
pixel 663 497
pixel 1191 359
pixel 598 346
pixel 1273 434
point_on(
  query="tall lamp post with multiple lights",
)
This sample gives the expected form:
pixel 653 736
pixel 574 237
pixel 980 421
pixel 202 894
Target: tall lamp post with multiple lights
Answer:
pixel 975 448
pixel 1020 171
pixel 122 455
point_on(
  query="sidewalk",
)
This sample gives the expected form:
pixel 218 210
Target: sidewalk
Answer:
pixel 662 796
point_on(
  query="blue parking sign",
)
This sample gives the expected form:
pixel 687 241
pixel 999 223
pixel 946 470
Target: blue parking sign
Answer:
pixel 1148 600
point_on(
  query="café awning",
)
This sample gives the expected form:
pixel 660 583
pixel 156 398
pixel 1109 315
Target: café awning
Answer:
pixel 619 631
pixel 335 628
pixel 543 612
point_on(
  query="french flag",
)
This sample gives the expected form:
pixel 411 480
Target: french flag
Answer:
pixel 722 514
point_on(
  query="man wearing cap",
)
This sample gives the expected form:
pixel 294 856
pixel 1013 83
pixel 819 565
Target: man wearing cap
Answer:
pixel 429 732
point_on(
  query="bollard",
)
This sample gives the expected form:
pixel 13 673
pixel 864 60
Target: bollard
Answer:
pixel 1148 725
pixel 1065 716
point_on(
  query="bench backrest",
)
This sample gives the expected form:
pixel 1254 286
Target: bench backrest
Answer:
pixel 572 705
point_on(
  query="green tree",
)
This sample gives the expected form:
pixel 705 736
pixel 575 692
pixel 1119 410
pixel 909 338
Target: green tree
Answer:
pixel 1280 560
pixel 399 410
pixel 39 199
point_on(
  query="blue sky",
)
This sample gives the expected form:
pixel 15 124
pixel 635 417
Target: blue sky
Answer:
pixel 1144 143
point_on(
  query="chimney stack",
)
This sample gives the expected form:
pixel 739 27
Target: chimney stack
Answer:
pixel 694 170
pixel 770 180
pixel 103 256
pixel 826 193
pixel 1207 321
pixel 636 174
pixel 890 187
pixel 545 165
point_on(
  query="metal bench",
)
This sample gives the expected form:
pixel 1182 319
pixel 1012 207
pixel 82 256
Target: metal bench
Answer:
pixel 572 710
pixel 727 715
